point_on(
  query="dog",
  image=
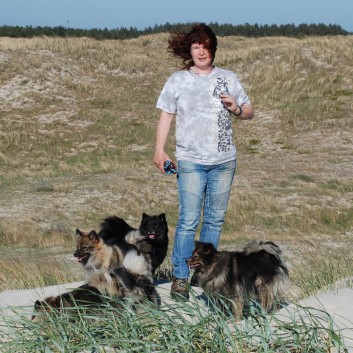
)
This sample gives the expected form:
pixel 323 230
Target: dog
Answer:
pixel 258 272
pixel 155 231
pixel 115 270
pixel 84 297
pixel 153 242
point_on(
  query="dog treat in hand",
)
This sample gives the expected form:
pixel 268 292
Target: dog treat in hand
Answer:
pixel 169 167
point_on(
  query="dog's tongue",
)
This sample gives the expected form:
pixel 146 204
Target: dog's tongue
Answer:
pixel 194 265
pixel 152 235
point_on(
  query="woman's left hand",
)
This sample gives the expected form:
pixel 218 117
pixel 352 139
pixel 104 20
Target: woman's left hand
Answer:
pixel 229 102
pixel 231 105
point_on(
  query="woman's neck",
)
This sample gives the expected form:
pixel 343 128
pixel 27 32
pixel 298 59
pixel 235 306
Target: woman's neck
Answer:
pixel 201 71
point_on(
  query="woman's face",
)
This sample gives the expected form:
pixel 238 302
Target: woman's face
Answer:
pixel 201 56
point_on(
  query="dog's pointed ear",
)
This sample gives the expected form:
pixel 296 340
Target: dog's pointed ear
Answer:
pixel 78 233
pixel 93 236
pixel 210 249
pixel 144 216
pixel 37 304
pixel 162 216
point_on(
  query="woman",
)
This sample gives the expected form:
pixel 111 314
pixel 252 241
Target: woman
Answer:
pixel 203 98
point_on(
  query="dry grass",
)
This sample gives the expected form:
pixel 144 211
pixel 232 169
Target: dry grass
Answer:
pixel 77 124
pixel 34 269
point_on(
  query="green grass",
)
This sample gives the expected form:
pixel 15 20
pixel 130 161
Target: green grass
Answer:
pixel 321 271
pixel 172 328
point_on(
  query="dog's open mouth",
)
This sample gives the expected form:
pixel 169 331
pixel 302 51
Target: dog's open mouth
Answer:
pixel 195 265
pixel 152 235
pixel 83 258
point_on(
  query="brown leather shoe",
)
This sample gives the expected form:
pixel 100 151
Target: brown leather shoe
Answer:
pixel 180 289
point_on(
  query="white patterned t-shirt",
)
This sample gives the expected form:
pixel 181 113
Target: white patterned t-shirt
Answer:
pixel 203 125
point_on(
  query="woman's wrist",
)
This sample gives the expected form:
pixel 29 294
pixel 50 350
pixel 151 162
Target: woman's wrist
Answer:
pixel 238 110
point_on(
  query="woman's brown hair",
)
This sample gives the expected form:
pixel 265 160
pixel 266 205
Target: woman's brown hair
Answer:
pixel 180 43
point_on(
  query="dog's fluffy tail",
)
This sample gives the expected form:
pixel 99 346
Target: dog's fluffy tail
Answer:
pixel 271 248
pixel 116 231
pixel 134 236
pixel 137 264
pixel 114 228
pixel 268 246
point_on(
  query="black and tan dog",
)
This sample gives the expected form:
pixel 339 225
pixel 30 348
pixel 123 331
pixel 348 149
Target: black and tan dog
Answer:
pixel 112 271
pixel 258 272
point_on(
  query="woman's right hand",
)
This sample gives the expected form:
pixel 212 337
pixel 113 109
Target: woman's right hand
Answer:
pixel 159 158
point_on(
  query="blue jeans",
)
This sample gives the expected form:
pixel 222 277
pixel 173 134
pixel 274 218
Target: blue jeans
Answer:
pixel 200 186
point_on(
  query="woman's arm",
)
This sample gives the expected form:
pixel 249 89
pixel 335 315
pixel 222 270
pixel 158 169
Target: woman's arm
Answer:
pixel 247 111
pixel 163 128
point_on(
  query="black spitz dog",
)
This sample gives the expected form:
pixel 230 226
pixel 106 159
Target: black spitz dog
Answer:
pixel 154 236
pixel 257 272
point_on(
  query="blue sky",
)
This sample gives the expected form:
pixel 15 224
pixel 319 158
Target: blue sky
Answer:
pixel 144 13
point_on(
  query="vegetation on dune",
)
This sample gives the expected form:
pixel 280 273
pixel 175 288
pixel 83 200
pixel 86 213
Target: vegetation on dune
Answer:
pixel 77 137
pixel 77 125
